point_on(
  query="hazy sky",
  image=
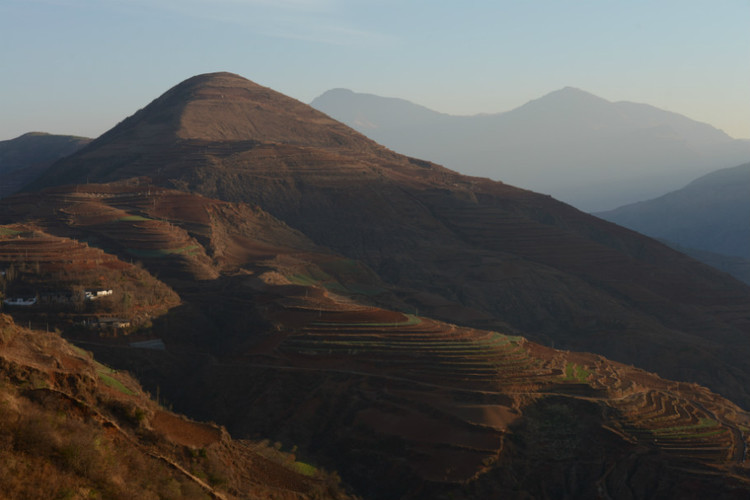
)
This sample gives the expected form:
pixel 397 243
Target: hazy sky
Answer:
pixel 81 66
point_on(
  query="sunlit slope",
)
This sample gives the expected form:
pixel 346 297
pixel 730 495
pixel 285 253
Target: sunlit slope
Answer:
pixel 75 428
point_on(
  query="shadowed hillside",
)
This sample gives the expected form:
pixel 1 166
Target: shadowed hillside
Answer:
pixel 709 214
pixel 283 340
pixel 735 266
pixel 24 158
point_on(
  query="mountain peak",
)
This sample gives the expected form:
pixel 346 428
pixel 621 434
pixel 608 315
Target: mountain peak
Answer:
pixel 571 96
pixel 213 107
pixel 224 106
pixel 338 92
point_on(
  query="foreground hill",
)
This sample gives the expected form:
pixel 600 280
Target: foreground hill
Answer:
pixel 24 158
pixel 580 148
pixel 278 337
pixel 710 214
pixel 71 427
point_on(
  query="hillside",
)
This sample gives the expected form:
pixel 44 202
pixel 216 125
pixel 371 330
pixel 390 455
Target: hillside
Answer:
pixel 24 158
pixel 710 214
pixel 439 411
pixel 284 342
pixel 461 249
pixel 580 148
pixel 71 427
pixel 735 266
pixel 386 315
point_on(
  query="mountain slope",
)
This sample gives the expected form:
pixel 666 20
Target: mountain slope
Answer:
pixel 735 266
pixel 24 158
pixel 192 119
pixel 710 214
pixel 74 428
pixel 580 148
pixel 461 249
pixel 282 340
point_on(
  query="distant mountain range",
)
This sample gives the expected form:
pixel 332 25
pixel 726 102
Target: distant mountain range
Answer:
pixel 24 158
pixel 580 148
pixel 708 218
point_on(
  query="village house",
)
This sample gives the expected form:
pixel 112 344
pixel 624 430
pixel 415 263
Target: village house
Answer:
pixel 113 323
pixel 20 301
pixel 95 322
pixel 96 294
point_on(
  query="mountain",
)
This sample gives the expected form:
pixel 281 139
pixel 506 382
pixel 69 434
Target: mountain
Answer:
pixel 24 158
pixel 386 314
pixel 580 148
pixel 461 249
pixel 71 427
pixel 281 341
pixel 710 214
pixel 736 266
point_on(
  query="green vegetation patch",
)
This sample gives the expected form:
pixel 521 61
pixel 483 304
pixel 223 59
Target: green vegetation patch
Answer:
pixel 410 320
pixel 115 384
pixel 318 278
pixel 304 469
pixel 575 373
pixel 706 427
pixel 164 252
pixel 105 375
pixel 302 279
pixel 6 231
pixel 82 352
pixel 133 218
pixel 501 338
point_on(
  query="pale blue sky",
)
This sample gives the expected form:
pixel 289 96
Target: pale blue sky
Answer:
pixel 81 66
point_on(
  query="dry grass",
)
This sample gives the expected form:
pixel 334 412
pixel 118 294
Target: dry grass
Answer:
pixel 91 432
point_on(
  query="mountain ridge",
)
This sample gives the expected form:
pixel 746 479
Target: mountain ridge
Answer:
pixel 579 147
pixel 710 214
pixel 24 158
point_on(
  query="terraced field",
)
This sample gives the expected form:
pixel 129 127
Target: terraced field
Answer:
pixel 127 221
pixel 27 245
pixel 57 270
pixel 297 326
pixel 177 233
pixel 686 427
pixel 447 391
pixel 421 348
